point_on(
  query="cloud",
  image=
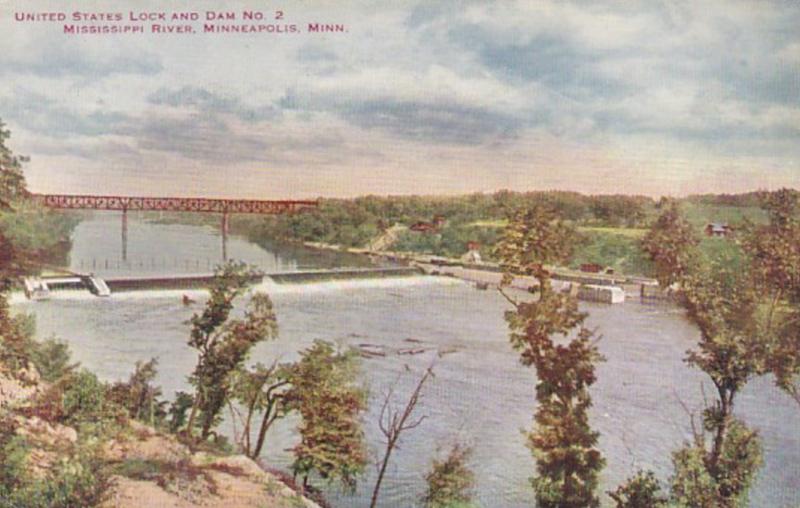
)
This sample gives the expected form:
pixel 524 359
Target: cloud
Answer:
pixel 43 115
pixel 209 102
pixel 428 122
pixel 56 59
pixel 199 137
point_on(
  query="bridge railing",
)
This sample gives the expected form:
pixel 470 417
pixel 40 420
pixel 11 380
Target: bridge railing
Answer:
pixel 173 204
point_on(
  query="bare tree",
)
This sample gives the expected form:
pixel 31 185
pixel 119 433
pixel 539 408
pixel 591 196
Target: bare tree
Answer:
pixel 393 422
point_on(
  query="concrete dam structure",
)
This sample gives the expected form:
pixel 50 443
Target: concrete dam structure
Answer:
pixel 39 288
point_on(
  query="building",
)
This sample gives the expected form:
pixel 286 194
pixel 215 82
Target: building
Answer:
pixel 423 227
pixel 718 229
pixel 473 254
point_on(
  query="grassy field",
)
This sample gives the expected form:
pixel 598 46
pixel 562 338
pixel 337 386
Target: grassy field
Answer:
pixel 700 214
pixel 636 233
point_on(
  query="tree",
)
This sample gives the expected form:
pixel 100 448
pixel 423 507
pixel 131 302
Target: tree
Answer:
pixel 393 423
pixel 223 343
pixel 563 444
pixel 324 392
pixel 450 480
pixel 725 304
pixel 698 484
pixel 138 395
pixel 774 249
pixel 12 180
pixel 260 390
pixel 670 245
pixel 639 491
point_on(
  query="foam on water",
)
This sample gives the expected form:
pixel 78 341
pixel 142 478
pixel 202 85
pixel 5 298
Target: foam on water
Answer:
pixel 339 285
pixel 268 286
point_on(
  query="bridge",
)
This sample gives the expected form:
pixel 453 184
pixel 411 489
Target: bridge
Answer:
pixel 173 204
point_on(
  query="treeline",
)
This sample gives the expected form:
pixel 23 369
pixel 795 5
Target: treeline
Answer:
pixel 610 226
pixel 355 222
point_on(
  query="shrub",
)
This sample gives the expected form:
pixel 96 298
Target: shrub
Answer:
pixel 639 491
pixel 450 481
pixel 76 481
pixel 138 396
pixel 52 359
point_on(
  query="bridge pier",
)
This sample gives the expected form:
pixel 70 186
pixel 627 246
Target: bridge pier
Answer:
pixel 224 227
pixel 124 234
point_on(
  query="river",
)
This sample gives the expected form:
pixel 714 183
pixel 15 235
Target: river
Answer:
pixel 480 395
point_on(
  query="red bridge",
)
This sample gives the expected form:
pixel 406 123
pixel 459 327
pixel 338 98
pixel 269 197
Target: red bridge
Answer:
pixel 172 204
pixel 123 203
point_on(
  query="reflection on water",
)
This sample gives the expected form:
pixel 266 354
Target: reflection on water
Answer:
pixel 481 395
pixel 156 249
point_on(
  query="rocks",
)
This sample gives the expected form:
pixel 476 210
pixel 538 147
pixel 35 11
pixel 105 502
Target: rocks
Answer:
pixel 14 390
pixel 184 479
pixel 46 435
pixel 152 447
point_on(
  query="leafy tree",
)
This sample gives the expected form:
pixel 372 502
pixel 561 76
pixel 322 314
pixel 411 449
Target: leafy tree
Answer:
pixel 670 245
pixel 450 480
pixel 324 392
pixel 139 396
pixel 52 358
pixel 774 249
pixel 28 233
pixel 725 304
pixel 16 337
pixel 223 343
pixel 639 491
pixel 260 390
pixel 12 180
pixel 534 238
pixel 563 444
pixel 696 484
pixel 178 411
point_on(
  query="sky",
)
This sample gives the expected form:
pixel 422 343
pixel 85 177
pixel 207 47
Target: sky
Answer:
pixel 428 97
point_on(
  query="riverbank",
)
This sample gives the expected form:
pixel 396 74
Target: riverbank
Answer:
pixel 131 465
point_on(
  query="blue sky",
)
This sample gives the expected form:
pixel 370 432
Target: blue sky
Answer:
pixel 656 97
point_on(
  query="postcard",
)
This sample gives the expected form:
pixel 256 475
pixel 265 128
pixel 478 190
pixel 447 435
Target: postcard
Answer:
pixel 406 253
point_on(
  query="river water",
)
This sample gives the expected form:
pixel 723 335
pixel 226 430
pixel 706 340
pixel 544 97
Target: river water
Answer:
pixel 480 396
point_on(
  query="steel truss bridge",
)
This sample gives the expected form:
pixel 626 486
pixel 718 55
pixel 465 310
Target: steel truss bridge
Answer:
pixel 173 204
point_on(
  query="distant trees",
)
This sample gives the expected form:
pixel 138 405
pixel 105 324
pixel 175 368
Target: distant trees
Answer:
pixel 548 331
pixel 355 222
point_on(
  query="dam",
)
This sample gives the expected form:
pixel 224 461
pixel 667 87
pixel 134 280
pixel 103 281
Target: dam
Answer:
pixel 39 288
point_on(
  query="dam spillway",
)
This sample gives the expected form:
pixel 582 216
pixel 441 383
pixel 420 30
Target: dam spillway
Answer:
pixel 107 286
